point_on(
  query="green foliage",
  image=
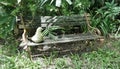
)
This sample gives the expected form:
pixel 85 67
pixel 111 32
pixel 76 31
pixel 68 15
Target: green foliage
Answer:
pixel 17 62
pixel 76 61
pixel 61 64
pixel 6 27
pixel 7 20
pixel 105 18
pixel 10 9
pixel 54 7
pixel 80 6
pixel 10 47
pixel 66 7
pixel 49 31
pixel 105 57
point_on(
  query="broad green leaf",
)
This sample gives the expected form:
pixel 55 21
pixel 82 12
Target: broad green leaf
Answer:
pixel 103 29
pixel 51 1
pixel 4 19
pixel 49 30
pixel 43 2
pixel 11 2
pixel 2 11
pixel 12 23
pixel 116 10
pixel 3 3
pixel 15 11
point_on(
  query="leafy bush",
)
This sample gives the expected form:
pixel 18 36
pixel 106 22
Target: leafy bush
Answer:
pixel 64 7
pixel 10 10
pixel 105 18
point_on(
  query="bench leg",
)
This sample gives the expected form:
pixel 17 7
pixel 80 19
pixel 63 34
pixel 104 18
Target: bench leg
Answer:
pixel 29 52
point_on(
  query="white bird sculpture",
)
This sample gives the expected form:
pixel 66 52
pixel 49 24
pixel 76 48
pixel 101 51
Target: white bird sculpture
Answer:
pixel 38 37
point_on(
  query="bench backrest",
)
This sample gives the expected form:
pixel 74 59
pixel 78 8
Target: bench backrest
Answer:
pixel 72 20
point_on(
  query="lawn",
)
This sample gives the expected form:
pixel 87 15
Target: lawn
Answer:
pixel 105 57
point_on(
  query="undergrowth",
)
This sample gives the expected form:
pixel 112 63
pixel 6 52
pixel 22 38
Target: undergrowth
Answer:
pixel 106 57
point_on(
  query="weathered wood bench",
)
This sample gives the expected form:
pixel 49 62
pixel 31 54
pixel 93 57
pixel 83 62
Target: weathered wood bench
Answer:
pixel 65 44
pixel 64 21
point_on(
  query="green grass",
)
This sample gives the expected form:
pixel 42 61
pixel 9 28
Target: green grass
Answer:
pixel 106 57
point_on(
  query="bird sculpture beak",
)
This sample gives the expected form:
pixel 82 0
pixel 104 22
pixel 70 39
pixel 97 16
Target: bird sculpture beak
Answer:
pixel 40 28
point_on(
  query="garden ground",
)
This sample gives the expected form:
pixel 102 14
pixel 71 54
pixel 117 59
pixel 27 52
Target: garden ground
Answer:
pixel 105 57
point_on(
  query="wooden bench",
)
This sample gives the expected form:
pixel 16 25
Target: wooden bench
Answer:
pixel 62 45
pixel 64 21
